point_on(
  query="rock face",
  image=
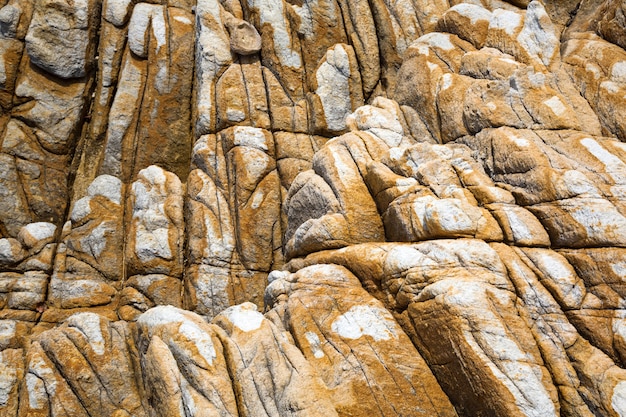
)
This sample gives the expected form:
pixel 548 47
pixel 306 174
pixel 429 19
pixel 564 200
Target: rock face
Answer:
pixel 312 208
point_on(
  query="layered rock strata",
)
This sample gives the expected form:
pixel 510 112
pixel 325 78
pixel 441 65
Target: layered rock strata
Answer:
pixel 312 208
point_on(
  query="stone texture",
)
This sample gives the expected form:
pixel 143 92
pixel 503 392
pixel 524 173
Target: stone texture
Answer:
pixel 61 36
pixel 350 339
pixel 312 208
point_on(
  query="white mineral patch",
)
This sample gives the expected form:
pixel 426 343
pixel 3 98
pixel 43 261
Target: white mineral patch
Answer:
pixel 213 53
pixel 472 12
pixel 613 164
pixel 396 153
pixel 424 50
pixel 593 69
pixel 522 379
pixel 8 379
pixel 577 183
pixel 158 27
pixel 10 18
pixel 601 220
pixel 154 175
pixel 162 84
pixel 142 198
pixel 437 40
pixel 363 320
pixel 137 28
pixel 188 406
pixel 539 36
pixel 250 136
pixel 379 122
pixel 450 214
pixel 7 330
pixel 40 230
pixel 367 117
pixel 38 372
pixel 183 19
pixel 537 79
pixel 106 186
pixel 278 275
pixel 160 315
pixel 462 165
pixel 402 258
pixel 235 115
pixel 620 269
pixel 153 226
pixel 9 250
pixel 211 286
pixel 257 199
pixel 611 87
pixel 556 105
pixel 200 338
pixel 81 209
pixel 506 20
pixel 95 242
pixel 272 12
pixel 443 151
pixel 405 182
pixel 244 316
pixel 519 229
pixel 165 315
pixel 316 345
pixel 333 88
pixel 89 325
pixel 3 70
pixel 145 16
pixel 619 330
pixel 117 11
pixel 37 396
pixel 521 142
pixel 556 266
pixel 618 400
pixel 561 274
pixel 307 18
pixel 446 81
pixel 344 170
pixel 152 244
pixel 618 72
pixel 257 163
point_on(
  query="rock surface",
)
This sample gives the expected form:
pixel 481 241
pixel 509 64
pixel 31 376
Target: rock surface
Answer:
pixel 312 208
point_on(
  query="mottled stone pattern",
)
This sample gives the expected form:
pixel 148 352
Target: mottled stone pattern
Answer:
pixel 302 208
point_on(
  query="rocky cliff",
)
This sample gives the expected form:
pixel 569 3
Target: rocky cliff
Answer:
pixel 312 208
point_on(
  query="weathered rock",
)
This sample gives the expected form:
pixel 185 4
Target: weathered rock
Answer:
pixel 87 361
pixel 183 364
pixel 61 36
pixel 445 180
pixel 275 378
pixel 155 234
pixel 351 339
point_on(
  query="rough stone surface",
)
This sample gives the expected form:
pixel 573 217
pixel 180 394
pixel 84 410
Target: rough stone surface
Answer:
pixel 312 208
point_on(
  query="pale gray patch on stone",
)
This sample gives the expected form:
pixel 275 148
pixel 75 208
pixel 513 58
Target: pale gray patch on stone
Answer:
pixel 107 186
pixel 9 19
pixel 58 39
pixel 333 88
pixel 118 11
pixel 33 233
